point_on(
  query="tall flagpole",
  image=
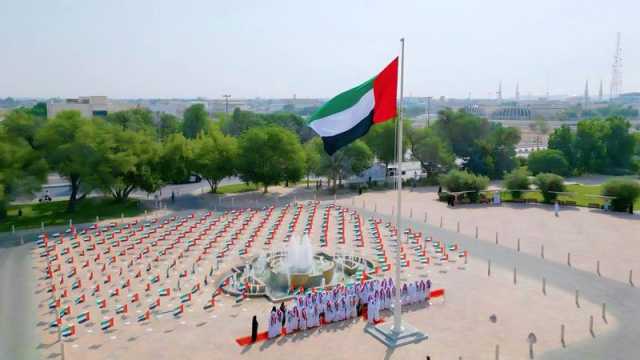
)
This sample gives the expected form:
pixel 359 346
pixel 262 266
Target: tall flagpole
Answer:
pixel 398 334
pixel 397 309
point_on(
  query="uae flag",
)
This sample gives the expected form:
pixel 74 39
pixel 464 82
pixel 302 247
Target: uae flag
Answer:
pixel 349 115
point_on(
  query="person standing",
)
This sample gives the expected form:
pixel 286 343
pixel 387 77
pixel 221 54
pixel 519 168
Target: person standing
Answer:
pixel 556 208
pixel 254 329
pixel 283 309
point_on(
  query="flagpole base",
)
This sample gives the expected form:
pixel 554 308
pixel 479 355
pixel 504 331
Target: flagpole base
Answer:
pixel 392 338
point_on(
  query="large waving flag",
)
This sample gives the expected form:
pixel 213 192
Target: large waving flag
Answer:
pixel 349 115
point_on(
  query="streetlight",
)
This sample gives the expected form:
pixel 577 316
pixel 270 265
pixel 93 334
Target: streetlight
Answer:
pixel 429 110
pixel 226 102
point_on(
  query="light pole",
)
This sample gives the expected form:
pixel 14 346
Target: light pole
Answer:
pixel 226 102
pixel 429 110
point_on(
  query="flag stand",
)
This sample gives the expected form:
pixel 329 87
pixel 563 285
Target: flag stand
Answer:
pixel 398 334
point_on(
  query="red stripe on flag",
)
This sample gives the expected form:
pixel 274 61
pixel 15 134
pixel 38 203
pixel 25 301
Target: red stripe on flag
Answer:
pixel 385 89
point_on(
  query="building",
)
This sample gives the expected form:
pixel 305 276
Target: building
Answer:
pixel 88 106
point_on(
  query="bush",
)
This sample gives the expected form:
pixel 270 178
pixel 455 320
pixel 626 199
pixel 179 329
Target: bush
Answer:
pixel 547 182
pixel 517 179
pixel 548 161
pixel 456 181
pixel 625 191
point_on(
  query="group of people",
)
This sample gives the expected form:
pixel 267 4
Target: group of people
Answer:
pixel 343 303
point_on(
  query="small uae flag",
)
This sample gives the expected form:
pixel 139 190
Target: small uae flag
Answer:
pixel 65 311
pixel 84 317
pixel 135 298
pixel 68 330
pixel 154 279
pixel 55 303
pixel 102 303
pixel 164 292
pixel 154 304
pixel 349 115
pixel 178 310
pixel 80 299
pixel 122 309
pixel 55 323
pixel 144 316
pixel 107 324
pixel 185 298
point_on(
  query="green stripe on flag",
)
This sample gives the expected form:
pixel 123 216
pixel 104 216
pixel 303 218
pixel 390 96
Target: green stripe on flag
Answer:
pixel 342 101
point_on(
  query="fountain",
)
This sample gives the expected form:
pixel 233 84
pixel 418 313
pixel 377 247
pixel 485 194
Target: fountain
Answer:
pixel 296 265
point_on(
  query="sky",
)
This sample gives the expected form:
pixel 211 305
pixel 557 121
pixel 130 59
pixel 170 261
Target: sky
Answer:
pixel 313 49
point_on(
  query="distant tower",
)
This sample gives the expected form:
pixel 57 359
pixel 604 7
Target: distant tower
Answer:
pixel 586 94
pixel 616 70
pixel 499 93
pixel 600 91
pixel 517 91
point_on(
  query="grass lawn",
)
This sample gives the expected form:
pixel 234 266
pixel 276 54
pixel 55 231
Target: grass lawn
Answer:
pixel 580 196
pixel 55 213
pixel 236 188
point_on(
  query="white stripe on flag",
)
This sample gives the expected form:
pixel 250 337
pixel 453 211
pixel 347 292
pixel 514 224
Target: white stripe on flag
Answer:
pixel 340 122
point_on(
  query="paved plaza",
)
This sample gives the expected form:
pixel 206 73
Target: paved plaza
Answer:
pixel 483 308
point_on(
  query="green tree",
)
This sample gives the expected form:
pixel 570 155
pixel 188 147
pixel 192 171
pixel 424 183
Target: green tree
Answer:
pixel 381 140
pixel 21 124
pixel 312 157
pixel 591 150
pixel 176 159
pixel 548 161
pixel 432 152
pixel 196 121
pixel 349 160
pixel 624 191
pixel 619 143
pixel 517 180
pixel 214 157
pixel 133 119
pixel 563 139
pixel 68 143
pixel 461 130
pixel 457 181
pixel 269 156
pixel 169 124
pixel 549 185
pixel 22 169
pixel 128 160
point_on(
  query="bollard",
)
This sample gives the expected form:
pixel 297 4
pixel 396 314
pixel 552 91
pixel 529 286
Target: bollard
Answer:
pixel 13 229
pixel 593 334
pixel 489 268
pixel 353 201
pixel 458 227
pixel 569 259
pixel 496 238
pixel 598 268
pixel 70 222
pixel 631 278
pixel 542 251
pixel 375 208
pixel 411 213
pixel 425 217
pixel 497 352
pixel 518 246
pixel 393 210
pixel 42 226
pixel 515 276
pixel 476 232
pixel 440 221
pixel 97 219
pixel 562 341
pixel 577 298
pixel 544 286
pixel 604 312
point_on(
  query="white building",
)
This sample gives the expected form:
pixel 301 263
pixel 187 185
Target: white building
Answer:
pixel 88 106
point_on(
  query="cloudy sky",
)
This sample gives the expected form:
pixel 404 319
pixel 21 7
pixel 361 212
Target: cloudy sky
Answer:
pixel 168 48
